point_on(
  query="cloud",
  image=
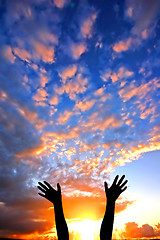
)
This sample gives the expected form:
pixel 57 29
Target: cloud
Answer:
pixel 68 72
pixel 77 49
pixel 122 45
pixel 9 54
pixel 85 105
pixel 43 52
pixel 53 100
pixel 45 36
pixel 64 117
pixel 144 14
pixel 26 222
pixel 44 80
pixel 141 91
pixel 40 97
pixel 87 25
pixel 74 86
pixel 132 230
pixel 98 123
pixel 60 3
pixel 22 54
pixel 121 74
pixel 99 92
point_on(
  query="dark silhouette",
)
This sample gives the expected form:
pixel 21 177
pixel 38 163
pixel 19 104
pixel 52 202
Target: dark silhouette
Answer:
pixel 112 194
pixel 55 197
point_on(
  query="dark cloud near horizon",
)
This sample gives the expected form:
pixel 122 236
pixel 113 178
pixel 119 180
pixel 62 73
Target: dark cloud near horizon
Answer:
pixel 132 230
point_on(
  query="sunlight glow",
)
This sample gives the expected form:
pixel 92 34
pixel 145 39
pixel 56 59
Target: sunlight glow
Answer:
pixel 87 229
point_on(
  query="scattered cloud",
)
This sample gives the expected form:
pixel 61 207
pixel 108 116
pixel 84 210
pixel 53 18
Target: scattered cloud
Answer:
pixel 77 49
pixel 74 86
pixel 85 105
pixel 68 72
pixel 87 25
pixel 121 74
pixel 60 3
pixel 43 52
pixel 122 45
pixel 63 118
pixel 144 14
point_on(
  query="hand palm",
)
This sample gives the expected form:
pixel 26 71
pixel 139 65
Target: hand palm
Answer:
pixel 50 193
pixel 116 188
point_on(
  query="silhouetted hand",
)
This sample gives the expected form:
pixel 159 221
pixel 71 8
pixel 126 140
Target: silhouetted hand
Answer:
pixel 116 189
pixel 50 193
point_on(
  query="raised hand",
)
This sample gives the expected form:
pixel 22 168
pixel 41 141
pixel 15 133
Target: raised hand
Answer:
pixel 50 193
pixel 116 189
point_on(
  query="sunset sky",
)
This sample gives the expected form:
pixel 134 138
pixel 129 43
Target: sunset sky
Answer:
pixel 79 104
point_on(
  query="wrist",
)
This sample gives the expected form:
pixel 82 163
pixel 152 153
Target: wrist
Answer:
pixel 111 201
pixel 57 204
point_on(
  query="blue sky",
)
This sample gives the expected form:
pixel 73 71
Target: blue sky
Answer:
pixel 79 102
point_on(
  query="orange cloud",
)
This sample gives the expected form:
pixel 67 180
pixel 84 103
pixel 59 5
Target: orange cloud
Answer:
pixel 99 92
pixel 46 53
pixel 144 14
pixel 44 80
pixel 144 34
pixel 74 86
pixel 147 112
pixel 135 152
pixel 132 230
pixel 121 73
pixel 85 105
pixel 109 122
pixel 86 27
pixel 59 3
pixel 36 150
pixel 22 53
pixel 40 95
pixel 77 49
pixel 32 117
pixel 47 37
pixel 64 117
pixel 8 54
pixel 122 46
pixel 96 123
pixel 141 91
pixel 54 100
pixel 68 72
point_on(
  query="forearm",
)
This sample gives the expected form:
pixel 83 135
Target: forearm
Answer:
pixel 61 225
pixel 107 223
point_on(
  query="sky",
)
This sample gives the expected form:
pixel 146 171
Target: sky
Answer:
pixel 79 104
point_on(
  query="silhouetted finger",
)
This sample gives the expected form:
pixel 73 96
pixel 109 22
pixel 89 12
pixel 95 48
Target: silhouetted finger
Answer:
pixel 106 186
pixel 115 180
pixel 42 195
pixel 124 183
pixel 48 185
pixel 43 190
pixel 121 180
pixel 123 189
pixel 58 187
pixel 42 185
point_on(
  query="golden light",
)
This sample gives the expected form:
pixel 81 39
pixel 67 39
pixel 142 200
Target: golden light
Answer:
pixel 87 229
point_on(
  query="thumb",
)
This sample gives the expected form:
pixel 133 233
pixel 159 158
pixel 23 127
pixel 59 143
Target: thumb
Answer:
pixel 106 187
pixel 58 187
